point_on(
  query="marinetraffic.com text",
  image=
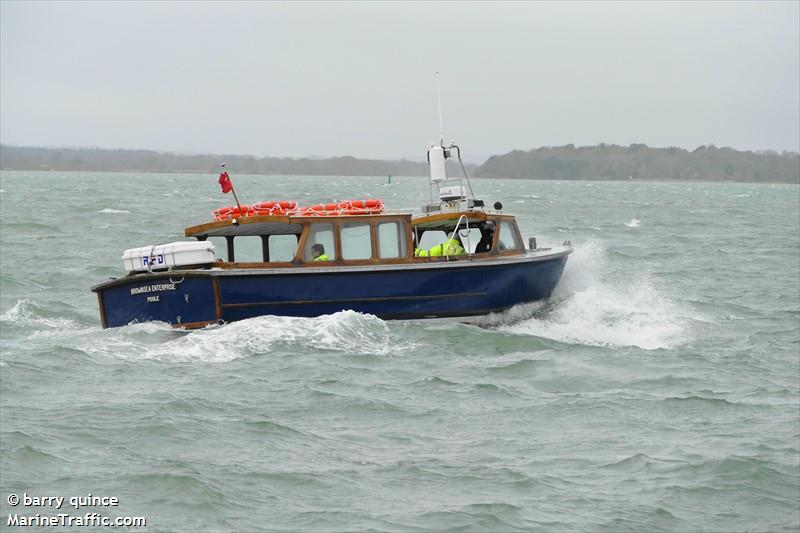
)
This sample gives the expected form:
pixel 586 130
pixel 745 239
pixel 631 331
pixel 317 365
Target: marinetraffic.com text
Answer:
pixel 67 511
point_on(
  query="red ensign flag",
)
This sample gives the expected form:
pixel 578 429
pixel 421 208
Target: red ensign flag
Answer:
pixel 225 182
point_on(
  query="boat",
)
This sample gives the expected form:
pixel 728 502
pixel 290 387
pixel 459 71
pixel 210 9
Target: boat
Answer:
pixel 455 259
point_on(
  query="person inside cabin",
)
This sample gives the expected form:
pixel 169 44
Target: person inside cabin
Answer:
pixel 487 236
pixel 318 253
pixel 452 246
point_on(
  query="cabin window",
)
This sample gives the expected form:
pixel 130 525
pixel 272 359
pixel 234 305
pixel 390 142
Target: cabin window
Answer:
pixel 320 233
pixel 470 238
pixel 431 238
pixel 356 241
pixel 249 249
pixel 282 247
pixel 508 239
pixel 391 240
pixel 220 248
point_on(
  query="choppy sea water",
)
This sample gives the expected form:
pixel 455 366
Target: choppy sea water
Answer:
pixel 658 390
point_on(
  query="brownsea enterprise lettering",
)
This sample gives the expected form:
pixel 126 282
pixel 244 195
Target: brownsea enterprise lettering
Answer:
pixel 153 288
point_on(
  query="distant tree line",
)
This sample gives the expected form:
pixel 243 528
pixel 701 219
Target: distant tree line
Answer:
pixel 639 161
pixel 604 162
pixel 96 159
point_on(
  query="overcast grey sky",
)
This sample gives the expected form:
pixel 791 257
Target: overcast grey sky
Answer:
pixel 359 78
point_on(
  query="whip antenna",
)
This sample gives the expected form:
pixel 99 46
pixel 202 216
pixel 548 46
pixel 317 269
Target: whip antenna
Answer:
pixel 439 98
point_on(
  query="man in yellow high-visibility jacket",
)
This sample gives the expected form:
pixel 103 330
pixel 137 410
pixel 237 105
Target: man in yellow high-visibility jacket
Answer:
pixel 452 246
pixel 318 253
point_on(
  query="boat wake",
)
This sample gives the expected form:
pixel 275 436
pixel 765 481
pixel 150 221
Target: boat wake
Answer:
pixel 346 332
pixel 593 307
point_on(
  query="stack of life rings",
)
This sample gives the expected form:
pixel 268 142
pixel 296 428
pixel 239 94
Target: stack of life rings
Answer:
pixel 349 207
pixel 283 208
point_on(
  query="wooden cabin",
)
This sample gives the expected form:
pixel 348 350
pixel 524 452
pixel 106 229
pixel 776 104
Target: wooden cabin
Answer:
pixel 350 240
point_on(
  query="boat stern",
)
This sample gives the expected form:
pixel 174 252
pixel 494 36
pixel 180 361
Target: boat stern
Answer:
pixel 180 300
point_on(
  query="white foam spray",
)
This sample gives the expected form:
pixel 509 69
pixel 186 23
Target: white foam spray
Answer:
pixel 26 313
pixel 347 332
pixel 591 306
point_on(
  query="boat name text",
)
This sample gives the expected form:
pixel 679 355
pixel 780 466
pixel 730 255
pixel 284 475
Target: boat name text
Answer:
pixel 153 288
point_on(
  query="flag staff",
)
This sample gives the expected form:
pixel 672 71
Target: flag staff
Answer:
pixel 225 180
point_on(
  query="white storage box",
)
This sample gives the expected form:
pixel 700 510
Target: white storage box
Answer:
pixel 171 254
pixel 453 192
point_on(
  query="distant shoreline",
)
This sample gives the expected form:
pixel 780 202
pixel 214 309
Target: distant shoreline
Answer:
pixel 306 175
pixel 637 162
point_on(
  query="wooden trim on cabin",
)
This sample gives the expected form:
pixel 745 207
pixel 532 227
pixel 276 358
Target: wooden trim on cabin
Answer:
pixel 513 251
pixel 447 215
pixel 217 297
pixel 338 222
pixel 374 244
pixel 411 244
pixel 201 229
pixel 495 239
pixel 299 256
pixel 509 252
pixel 337 241
pixel 255 264
pixel 376 248
pixel 483 217
pixel 455 215
pixel 102 310
pixel 373 258
pixel 301 244
pixel 520 240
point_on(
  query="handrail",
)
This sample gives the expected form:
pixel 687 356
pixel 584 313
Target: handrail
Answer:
pixel 456 234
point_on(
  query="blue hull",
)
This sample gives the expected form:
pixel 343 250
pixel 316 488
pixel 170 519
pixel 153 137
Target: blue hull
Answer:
pixel 200 297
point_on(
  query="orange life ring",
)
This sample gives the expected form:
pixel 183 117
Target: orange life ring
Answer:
pixel 263 206
pixel 273 208
pixel 344 208
pixel 284 204
pixel 222 212
pixel 364 204
pixel 319 210
pixel 231 211
pixel 363 207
